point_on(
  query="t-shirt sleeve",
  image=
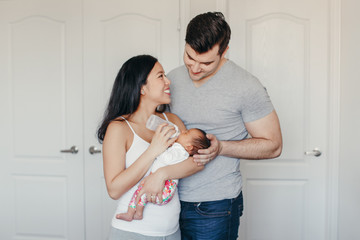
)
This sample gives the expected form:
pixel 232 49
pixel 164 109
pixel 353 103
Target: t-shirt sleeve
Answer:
pixel 256 102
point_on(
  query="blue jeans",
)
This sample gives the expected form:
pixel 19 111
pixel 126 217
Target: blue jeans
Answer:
pixel 215 220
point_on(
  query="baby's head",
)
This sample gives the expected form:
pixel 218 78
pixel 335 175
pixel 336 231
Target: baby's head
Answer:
pixel 193 140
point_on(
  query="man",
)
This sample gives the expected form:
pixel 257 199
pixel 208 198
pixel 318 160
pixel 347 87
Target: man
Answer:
pixel 212 93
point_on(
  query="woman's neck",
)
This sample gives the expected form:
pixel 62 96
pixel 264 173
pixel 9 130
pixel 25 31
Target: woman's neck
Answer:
pixel 142 114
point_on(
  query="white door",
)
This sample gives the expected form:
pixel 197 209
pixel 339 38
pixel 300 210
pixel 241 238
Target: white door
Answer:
pixel 113 32
pixel 41 114
pixel 285 44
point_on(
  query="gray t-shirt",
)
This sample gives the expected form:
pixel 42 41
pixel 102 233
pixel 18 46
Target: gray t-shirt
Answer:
pixel 220 106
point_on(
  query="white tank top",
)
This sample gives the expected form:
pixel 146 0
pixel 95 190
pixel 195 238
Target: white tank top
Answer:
pixel 157 220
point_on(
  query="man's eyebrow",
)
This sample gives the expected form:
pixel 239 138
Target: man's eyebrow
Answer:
pixel 200 62
pixel 189 55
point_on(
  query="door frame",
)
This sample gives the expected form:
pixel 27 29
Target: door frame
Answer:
pixel 334 120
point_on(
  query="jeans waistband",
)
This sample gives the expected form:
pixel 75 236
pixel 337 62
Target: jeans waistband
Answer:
pixel 215 201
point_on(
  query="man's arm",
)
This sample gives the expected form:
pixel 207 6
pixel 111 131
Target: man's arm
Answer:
pixel 265 142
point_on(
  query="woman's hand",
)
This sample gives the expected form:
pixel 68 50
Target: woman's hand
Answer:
pixel 153 186
pixel 204 156
pixel 161 139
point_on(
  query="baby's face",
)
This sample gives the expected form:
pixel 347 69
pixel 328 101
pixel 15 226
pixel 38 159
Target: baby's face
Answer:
pixel 186 137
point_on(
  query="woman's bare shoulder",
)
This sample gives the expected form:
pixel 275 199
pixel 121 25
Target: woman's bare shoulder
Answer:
pixel 172 116
pixel 175 119
pixel 118 124
pixel 118 128
pixel 118 134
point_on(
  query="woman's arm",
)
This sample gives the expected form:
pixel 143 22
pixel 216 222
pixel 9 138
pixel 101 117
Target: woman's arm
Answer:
pixel 180 170
pixel 118 178
pixel 154 183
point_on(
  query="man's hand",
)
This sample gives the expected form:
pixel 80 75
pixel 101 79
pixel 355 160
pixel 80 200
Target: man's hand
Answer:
pixel 204 156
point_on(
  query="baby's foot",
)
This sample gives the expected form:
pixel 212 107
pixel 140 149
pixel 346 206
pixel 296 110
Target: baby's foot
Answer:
pixel 125 216
pixel 138 216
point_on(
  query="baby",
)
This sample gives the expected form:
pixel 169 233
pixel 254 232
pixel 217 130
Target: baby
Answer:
pixel 187 144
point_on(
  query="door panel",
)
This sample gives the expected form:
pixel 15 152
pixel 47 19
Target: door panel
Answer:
pixel 114 31
pixel 41 113
pixel 285 45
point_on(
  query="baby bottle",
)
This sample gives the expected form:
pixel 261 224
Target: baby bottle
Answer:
pixel 154 121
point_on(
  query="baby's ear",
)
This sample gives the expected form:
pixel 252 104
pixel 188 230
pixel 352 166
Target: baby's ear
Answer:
pixel 189 148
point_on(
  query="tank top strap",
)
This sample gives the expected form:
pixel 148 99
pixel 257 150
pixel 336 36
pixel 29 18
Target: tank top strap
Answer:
pixel 165 116
pixel 128 125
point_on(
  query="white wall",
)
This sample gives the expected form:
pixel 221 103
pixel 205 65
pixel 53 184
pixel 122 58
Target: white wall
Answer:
pixel 349 175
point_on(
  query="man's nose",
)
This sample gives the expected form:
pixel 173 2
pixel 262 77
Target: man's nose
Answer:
pixel 195 67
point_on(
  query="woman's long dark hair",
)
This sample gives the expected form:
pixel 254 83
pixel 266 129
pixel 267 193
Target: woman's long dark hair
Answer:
pixel 125 95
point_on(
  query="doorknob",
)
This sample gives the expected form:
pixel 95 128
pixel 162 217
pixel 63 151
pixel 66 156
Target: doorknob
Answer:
pixel 316 152
pixel 73 150
pixel 93 150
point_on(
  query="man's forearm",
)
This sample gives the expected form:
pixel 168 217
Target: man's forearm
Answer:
pixel 251 148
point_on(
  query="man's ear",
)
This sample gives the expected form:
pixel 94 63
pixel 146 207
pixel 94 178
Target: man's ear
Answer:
pixel 224 53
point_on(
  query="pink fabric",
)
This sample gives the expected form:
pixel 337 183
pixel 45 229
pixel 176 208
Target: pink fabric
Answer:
pixel 167 194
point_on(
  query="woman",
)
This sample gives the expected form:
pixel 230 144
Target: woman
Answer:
pixel 129 149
